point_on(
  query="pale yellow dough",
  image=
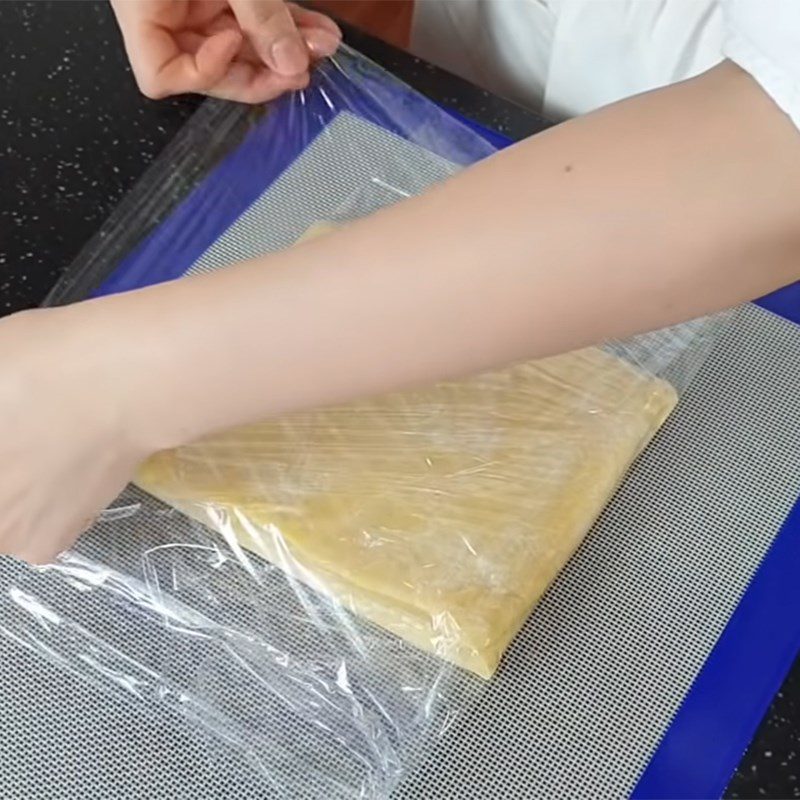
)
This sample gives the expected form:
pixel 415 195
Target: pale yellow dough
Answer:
pixel 442 515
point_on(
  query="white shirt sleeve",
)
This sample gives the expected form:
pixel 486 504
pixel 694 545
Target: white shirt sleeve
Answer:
pixel 763 38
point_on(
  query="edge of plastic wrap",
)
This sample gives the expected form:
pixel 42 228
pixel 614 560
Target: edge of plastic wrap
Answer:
pixel 452 137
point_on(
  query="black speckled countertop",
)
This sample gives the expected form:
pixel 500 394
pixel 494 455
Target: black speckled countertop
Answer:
pixel 75 134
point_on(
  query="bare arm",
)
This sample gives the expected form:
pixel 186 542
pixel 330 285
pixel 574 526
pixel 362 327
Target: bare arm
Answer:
pixel 650 212
pixel 655 210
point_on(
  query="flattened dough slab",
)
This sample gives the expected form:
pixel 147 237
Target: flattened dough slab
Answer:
pixel 442 515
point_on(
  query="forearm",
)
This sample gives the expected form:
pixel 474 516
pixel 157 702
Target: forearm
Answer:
pixel 656 210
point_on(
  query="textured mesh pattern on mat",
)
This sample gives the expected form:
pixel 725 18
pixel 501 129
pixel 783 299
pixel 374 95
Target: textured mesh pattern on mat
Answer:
pixel 351 159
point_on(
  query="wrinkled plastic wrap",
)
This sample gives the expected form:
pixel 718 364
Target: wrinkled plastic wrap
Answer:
pixel 322 592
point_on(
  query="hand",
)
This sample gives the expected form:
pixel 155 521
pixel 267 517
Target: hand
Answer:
pixel 245 50
pixel 68 446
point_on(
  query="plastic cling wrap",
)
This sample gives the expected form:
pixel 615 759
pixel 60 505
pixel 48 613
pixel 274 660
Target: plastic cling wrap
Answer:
pixel 322 592
pixel 440 515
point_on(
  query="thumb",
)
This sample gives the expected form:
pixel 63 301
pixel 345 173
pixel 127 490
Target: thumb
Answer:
pixel 271 30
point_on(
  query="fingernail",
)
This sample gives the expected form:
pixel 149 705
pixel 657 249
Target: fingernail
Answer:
pixel 289 56
pixel 322 43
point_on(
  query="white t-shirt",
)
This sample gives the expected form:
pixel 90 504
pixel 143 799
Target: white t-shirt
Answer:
pixel 566 57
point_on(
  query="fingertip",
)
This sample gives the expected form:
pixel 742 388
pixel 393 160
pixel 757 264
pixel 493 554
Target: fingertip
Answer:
pixel 321 43
pixel 263 90
pixel 289 56
pixel 300 82
pixel 152 88
pixel 307 18
pixel 331 26
pixel 271 29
